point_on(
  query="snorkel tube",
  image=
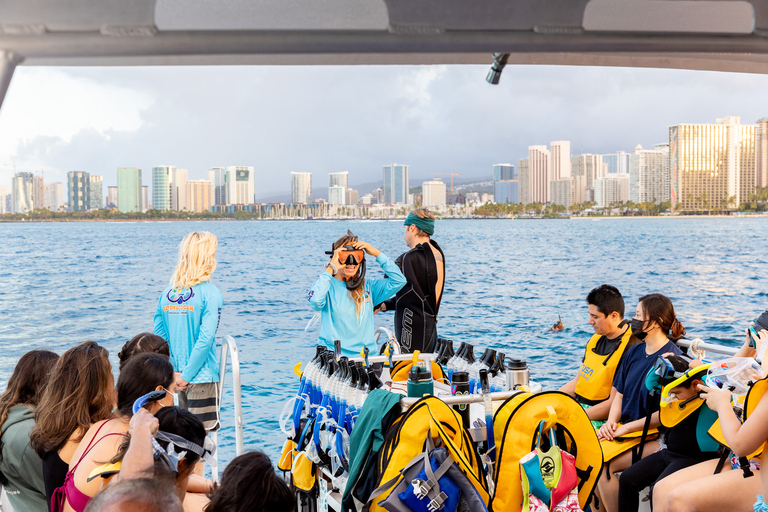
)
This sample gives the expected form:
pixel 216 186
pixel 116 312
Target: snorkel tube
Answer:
pixel 487 402
pixel 152 396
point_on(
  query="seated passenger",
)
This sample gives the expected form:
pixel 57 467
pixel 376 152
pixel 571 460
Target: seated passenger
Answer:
pixel 656 325
pixel 701 488
pixel 79 393
pixel 142 374
pixel 345 298
pixel 145 342
pixel 592 386
pixel 249 482
pixel 685 444
pixel 21 469
pixel 137 494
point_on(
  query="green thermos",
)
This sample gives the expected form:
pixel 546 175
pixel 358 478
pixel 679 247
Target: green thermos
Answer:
pixel 419 382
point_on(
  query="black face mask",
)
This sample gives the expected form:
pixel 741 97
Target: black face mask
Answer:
pixel 637 329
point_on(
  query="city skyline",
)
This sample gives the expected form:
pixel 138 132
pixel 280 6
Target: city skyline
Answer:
pixel 102 118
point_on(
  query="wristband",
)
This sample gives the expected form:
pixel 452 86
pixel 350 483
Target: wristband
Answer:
pixel 333 267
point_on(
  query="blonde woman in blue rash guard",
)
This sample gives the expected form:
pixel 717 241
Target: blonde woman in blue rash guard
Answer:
pixel 187 315
pixel 344 297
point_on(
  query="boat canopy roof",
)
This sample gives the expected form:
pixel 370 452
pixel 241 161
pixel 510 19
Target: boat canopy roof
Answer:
pixel 723 35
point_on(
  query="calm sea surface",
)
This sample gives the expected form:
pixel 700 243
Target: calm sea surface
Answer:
pixel 507 282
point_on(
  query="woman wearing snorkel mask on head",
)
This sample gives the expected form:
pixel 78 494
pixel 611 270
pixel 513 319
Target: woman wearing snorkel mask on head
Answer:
pixel 657 327
pixel 344 297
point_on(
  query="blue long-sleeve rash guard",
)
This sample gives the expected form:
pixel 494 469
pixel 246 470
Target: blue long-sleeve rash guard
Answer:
pixel 188 318
pixel 339 320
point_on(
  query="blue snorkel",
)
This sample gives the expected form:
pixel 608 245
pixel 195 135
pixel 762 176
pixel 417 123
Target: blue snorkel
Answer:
pixel 152 396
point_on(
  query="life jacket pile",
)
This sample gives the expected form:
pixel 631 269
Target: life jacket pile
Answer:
pixel 516 426
pixel 428 419
pixel 400 369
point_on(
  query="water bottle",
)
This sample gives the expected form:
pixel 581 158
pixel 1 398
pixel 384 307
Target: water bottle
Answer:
pixel 460 387
pixel 450 366
pixel 419 382
pixel 517 374
pixel 446 353
pixel 499 377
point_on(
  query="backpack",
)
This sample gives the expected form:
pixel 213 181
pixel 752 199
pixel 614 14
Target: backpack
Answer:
pixel 429 420
pixel 516 427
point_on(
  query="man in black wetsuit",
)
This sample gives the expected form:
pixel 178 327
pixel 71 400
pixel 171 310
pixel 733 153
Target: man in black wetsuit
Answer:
pixel 416 305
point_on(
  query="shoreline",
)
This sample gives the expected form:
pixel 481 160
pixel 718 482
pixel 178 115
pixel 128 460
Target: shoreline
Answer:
pixel 590 217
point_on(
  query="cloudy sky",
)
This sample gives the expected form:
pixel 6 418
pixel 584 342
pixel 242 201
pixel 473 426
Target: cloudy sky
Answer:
pixel 356 118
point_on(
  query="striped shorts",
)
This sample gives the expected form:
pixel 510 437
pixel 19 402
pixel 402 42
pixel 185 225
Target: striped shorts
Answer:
pixel 202 400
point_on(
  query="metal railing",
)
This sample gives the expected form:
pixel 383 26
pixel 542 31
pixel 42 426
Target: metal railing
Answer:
pixel 697 344
pixel 229 347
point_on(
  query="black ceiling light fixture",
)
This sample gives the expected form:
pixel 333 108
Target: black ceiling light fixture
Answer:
pixel 499 61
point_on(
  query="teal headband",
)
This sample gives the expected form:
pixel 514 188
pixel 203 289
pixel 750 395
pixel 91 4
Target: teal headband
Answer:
pixel 426 225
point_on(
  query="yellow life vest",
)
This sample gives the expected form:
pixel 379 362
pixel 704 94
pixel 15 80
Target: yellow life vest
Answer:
pixel 597 371
pixel 429 417
pixel 754 395
pixel 516 427
pixel 619 445
pixel 399 371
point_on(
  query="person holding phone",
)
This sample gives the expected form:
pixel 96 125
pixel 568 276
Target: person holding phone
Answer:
pixel 344 297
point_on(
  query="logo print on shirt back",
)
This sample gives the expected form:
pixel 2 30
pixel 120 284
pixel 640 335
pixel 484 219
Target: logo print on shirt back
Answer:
pixel 180 296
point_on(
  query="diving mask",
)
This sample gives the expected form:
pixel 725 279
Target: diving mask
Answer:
pixel 169 457
pixel 348 255
pixel 662 372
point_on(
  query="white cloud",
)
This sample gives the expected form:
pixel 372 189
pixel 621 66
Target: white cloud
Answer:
pixel 45 102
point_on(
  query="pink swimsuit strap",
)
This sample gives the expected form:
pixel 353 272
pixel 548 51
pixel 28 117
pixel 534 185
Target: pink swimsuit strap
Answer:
pixel 69 491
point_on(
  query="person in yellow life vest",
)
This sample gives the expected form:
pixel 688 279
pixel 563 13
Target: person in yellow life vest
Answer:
pixel 592 386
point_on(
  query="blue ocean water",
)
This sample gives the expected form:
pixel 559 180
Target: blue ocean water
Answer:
pixel 507 282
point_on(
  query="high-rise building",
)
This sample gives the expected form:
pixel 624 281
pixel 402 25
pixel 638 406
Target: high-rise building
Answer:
pixel 301 187
pixel 504 172
pixel 377 196
pixel 338 179
pixel 504 191
pixel 559 160
pixel 524 186
pixel 54 195
pixel 6 203
pixel 562 191
pixel 649 174
pixel 199 195
pixel 145 198
pixel 538 164
pixel 712 165
pixel 161 187
pixel 590 167
pixel 21 193
pixel 219 178
pixel 96 192
pixel 579 192
pixel 612 190
pixel 111 197
pixel 396 184
pixel 337 195
pixel 179 189
pixel 433 193
pixel 616 163
pixel 761 153
pixel 129 189
pixel 352 196
pixel 242 188
pixel 79 191
pixel 38 192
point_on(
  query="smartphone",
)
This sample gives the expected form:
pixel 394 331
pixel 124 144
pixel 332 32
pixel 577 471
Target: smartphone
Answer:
pixel 752 334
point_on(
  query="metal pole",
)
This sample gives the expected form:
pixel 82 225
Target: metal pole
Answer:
pixel 235 358
pixel 8 62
